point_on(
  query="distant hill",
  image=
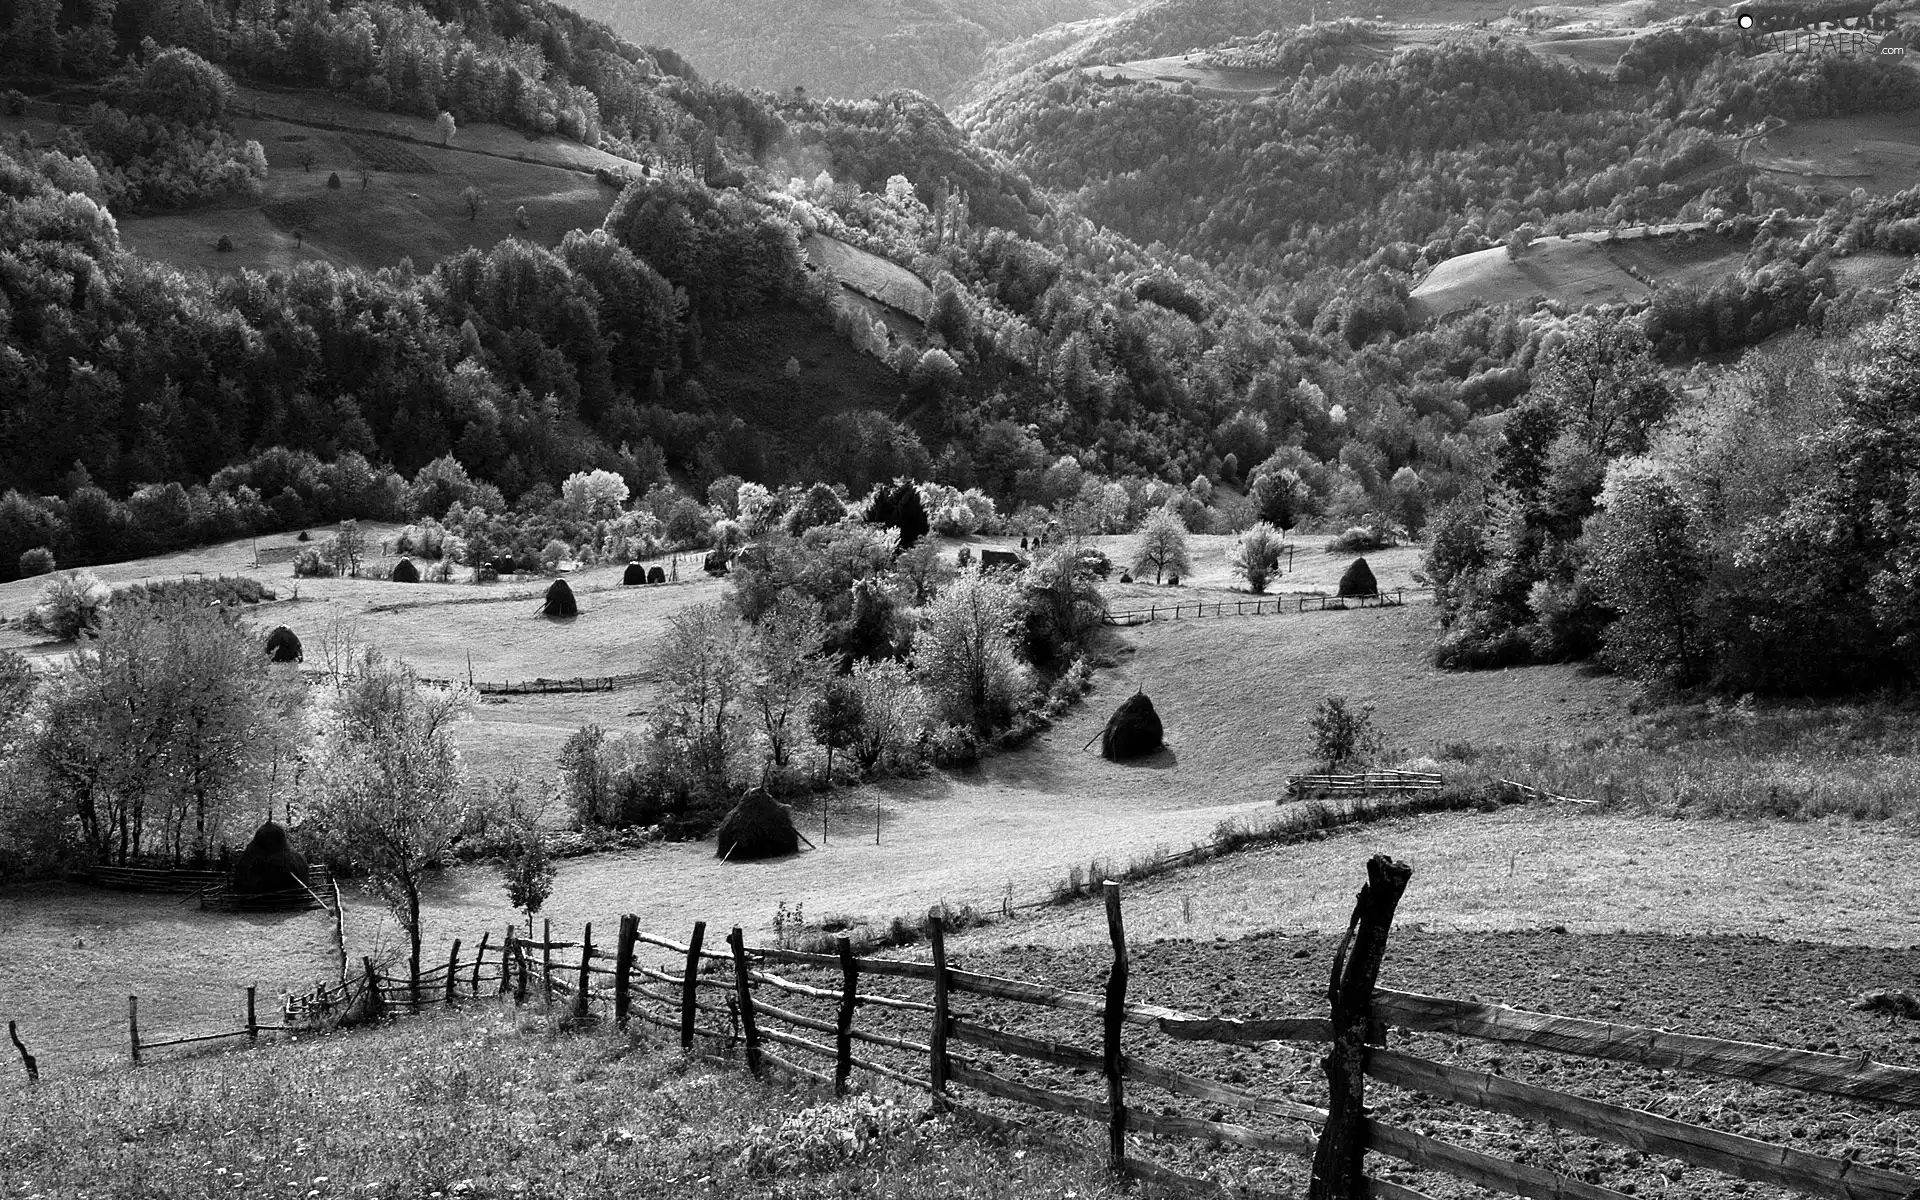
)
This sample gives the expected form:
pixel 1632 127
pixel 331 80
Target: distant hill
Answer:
pixel 845 48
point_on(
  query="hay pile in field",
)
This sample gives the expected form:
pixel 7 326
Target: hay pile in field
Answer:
pixel 635 573
pixel 656 575
pixel 1133 731
pixel 758 827
pixel 269 864
pixel 1357 580
pixel 283 645
pixel 405 572
pixel 560 601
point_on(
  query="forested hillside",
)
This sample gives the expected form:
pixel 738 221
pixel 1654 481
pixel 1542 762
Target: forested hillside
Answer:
pixel 842 48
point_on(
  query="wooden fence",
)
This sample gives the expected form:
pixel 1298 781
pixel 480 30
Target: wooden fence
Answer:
pixel 138 1045
pixel 1256 607
pixel 821 1017
pixel 1363 783
pixel 213 889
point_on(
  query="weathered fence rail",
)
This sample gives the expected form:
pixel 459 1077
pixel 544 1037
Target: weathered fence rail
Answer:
pixel 1363 783
pixel 824 1016
pixel 1256 607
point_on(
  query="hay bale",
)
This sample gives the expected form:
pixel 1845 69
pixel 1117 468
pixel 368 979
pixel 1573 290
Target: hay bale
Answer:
pixel 656 575
pixel 405 572
pixel 283 645
pixel 635 573
pixel 1133 731
pixel 269 864
pixel 758 827
pixel 560 601
pixel 1357 580
pixel 715 562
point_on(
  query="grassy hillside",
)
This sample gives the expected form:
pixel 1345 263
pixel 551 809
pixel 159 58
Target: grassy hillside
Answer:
pixel 847 48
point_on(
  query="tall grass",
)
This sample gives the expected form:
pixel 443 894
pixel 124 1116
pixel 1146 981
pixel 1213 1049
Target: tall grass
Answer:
pixel 484 1103
pixel 1793 762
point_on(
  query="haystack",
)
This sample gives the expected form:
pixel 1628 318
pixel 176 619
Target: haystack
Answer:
pixel 656 575
pixel 560 601
pixel 283 645
pixel 269 864
pixel 716 562
pixel 635 573
pixel 1133 731
pixel 1357 580
pixel 758 827
pixel 405 572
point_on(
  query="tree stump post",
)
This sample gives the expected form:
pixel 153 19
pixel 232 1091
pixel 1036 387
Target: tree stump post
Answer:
pixel 1113 1062
pixel 1340 1156
pixel 133 1027
pixel 253 1023
pixel 743 993
pixel 507 952
pixel 28 1061
pixel 622 966
pixel 689 984
pixel 479 956
pixel 937 1066
pixel 453 971
pixel 585 981
pixel 843 1026
pixel 546 965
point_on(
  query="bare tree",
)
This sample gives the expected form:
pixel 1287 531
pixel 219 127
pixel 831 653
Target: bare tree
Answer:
pixel 789 669
pixel 705 672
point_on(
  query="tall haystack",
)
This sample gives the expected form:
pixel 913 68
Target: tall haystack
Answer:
pixel 758 827
pixel 1133 731
pixel 405 572
pixel 656 575
pixel 635 573
pixel 283 645
pixel 1358 580
pixel 269 864
pixel 560 601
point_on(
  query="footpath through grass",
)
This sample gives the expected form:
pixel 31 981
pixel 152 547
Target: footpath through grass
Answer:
pixel 482 1103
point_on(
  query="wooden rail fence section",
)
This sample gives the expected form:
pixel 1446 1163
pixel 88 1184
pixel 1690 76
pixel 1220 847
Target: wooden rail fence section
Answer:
pixel 751 999
pixel 1364 783
pixel 1255 607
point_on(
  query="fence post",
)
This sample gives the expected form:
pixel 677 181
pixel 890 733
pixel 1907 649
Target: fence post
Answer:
pixel 1338 1159
pixel 480 956
pixel 506 962
pixel 546 964
pixel 133 1027
pixel 28 1061
pixel 453 970
pixel 622 964
pixel 1115 1014
pixel 253 1023
pixel 748 1027
pixel 586 979
pixel 689 983
pixel 376 1003
pixel 937 1073
pixel 843 1044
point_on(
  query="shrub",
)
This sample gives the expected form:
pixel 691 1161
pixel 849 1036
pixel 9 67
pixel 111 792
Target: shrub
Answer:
pixel 311 564
pixel 16 103
pixel 1358 539
pixel 199 592
pixel 37 561
pixel 1091 560
pixel 1256 556
pixel 1343 734
pixel 71 605
pixel 953 746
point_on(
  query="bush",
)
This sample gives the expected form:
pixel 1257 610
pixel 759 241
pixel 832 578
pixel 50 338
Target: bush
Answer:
pixel 311 564
pixel 1342 734
pixel 16 103
pixel 1479 642
pixel 953 746
pixel 71 605
pixel 1358 539
pixel 199 592
pixel 37 561
pixel 1091 560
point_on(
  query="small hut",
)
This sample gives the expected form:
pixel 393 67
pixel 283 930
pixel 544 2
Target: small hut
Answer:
pixel 635 573
pixel 758 827
pixel 405 572
pixel 1133 731
pixel 656 575
pixel 283 645
pixel 1357 580
pixel 269 865
pixel 560 601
